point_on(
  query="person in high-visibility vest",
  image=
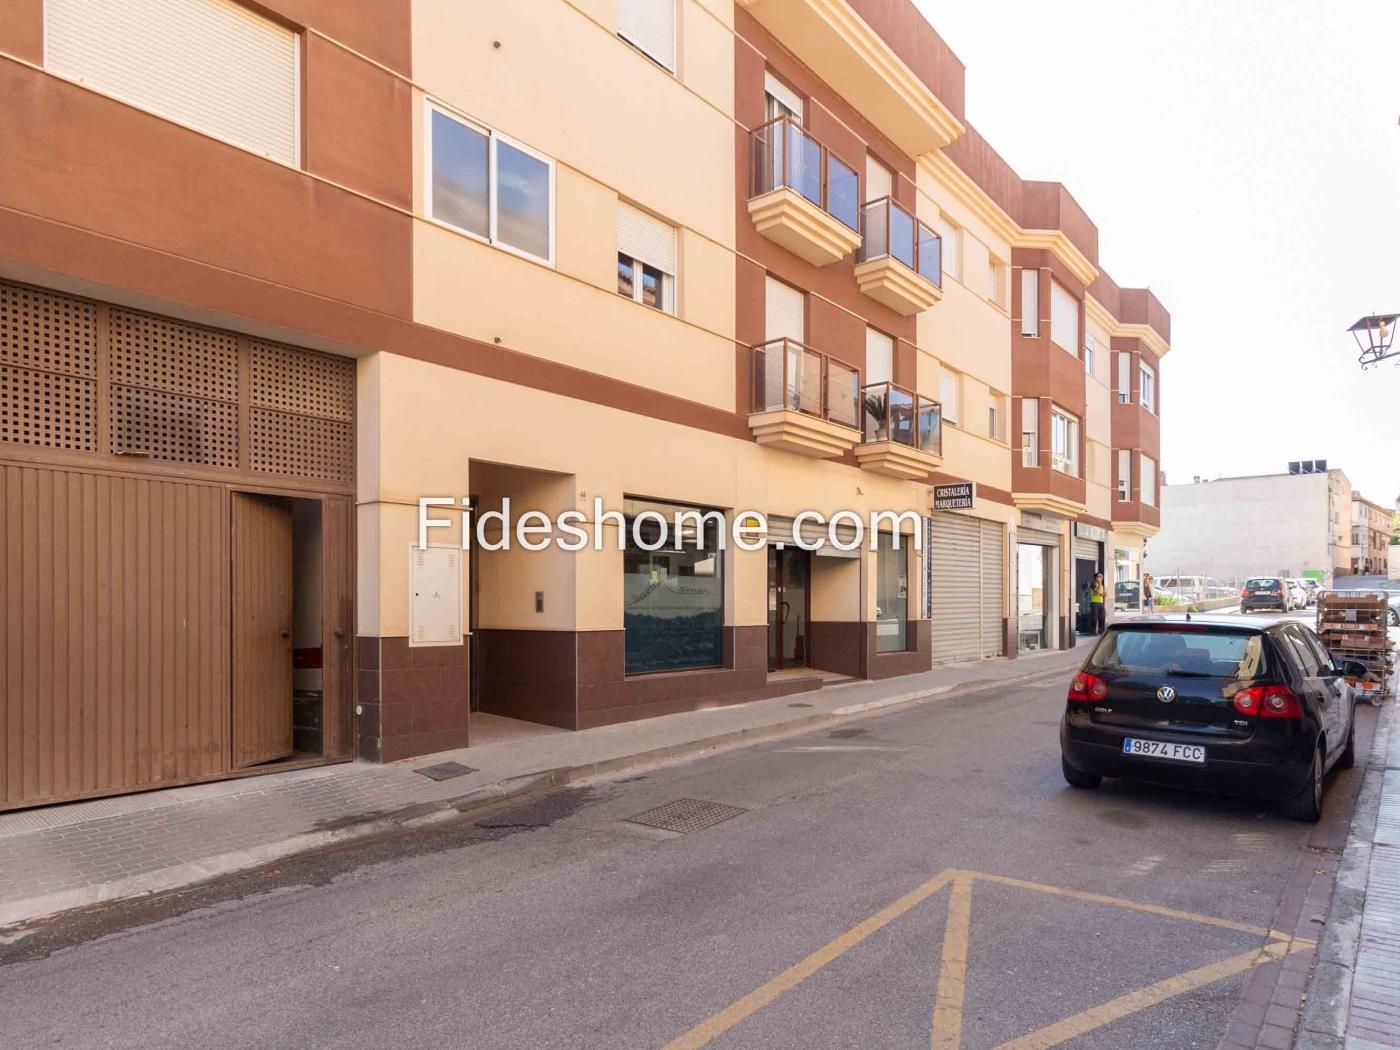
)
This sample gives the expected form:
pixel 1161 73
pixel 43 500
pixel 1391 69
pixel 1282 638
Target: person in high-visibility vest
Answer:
pixel 1096 602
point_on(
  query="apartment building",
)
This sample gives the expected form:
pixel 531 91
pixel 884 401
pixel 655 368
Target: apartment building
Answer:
pixel 1371 529
pixel 271 275
pixel 1297 525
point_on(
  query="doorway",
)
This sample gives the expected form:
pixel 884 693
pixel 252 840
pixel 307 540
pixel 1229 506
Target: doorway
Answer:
pixel 789 593
pixel 1035 599
pixel 1084 571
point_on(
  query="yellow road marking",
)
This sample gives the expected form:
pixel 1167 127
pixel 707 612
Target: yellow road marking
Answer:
pixel 719 1023
pixel 1124 1005
pixel 952 974
pixel 1119 902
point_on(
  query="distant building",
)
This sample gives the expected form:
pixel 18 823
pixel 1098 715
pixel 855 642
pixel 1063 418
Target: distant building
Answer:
pixel 1279 524
pixel 1371 526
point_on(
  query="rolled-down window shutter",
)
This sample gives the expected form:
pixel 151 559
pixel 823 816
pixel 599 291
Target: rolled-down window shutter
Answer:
pixel 646 238
pixel 212 65
pixel 650 26
pixel 786 309
pixel 879 357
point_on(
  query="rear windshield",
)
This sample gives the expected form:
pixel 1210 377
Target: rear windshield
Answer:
pixel 1191 651
pixel 1262 584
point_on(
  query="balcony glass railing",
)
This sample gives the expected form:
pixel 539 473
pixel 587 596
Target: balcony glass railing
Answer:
pixel 893 413
pixel 889 229
pixel 788 375
pixel 785 156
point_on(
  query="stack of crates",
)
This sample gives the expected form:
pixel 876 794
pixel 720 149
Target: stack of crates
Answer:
pixel 1353 626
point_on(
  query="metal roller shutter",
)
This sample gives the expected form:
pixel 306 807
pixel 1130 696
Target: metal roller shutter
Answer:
pixel 957 588
pixel 650 25
pixel 1086 549
pixel 993 588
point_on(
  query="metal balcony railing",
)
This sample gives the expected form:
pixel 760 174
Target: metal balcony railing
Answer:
pixel 786 156
pixel 788 375
pixel 889 229
pixel 893 413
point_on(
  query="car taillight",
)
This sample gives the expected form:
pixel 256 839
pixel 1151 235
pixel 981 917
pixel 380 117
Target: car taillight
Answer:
pixel 1086 687
pixel 1244 594
pixel 1268 701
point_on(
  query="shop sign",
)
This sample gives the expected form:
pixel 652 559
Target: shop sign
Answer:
pixel 1085 531
pixel 959 496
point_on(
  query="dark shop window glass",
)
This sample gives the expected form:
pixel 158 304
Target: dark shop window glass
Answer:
pixel 673 600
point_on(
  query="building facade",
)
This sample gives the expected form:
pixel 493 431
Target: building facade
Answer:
pixel 1296 525
pixel 1371 529
pixel 274 274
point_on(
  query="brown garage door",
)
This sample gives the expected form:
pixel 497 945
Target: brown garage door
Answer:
pixel 125 440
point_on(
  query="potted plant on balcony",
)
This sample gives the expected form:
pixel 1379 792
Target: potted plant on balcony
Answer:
pixel 877 404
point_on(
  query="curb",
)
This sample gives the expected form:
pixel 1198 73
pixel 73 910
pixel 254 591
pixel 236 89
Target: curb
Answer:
pixel 15 915
pixel 1324 1022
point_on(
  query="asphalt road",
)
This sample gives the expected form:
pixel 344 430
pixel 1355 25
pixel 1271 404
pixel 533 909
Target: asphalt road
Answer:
pixel 945 829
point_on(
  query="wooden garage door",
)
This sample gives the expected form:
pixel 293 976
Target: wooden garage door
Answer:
pixel 114 632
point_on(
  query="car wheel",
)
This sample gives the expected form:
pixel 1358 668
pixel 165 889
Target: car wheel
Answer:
pixel 1077 778
pixel 1347 758
pixel 1306 805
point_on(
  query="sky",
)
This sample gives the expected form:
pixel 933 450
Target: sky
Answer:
pixel 1241 158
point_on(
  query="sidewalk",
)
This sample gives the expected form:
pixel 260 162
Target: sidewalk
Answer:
pixel 69 856
pixel 1354 995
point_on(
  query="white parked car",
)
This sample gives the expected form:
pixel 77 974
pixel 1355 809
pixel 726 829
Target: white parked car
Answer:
pixel 1298 591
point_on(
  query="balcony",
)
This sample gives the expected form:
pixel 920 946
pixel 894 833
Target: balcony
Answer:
pixel 803 196
pixel 903 432
pixel 803 401
pixel 901 259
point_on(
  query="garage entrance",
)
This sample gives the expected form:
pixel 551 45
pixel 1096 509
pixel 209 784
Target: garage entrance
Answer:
pixel 175 549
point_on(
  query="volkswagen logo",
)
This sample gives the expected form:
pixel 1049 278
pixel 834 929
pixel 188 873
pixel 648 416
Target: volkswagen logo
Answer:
pixel 1166 694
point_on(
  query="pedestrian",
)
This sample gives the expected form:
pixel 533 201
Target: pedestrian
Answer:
pixel 1147 603
pixel 1096 602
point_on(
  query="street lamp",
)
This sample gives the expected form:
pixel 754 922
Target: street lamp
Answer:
pixel 1374 336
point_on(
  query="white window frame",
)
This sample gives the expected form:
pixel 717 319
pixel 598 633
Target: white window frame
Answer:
pixel 1030 437
pixel 668 285
pixel 1089 346
pixel 1147 486
pixel 951 236
pixel 493 138
pixel 1030 312
pixel 1125 474
pixel 1147 386
pixel 1123 379
pixel 1062 422
pixel 1059 294
pixel 947 374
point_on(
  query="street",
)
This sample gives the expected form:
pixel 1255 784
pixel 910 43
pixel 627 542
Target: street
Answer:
pixel 921 872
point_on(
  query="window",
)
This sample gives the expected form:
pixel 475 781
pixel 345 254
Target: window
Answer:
pixel 781 100
pixel 996 418
pixel 672 600
pixel 1148 481
pixel 892 594
pixel 1030 303
pixel 212 65
pixel 878 181
pixel 481 183
pixel 952 247
pixel 879 357
pixel 996 280
pixel 646 258
pixel 1064 442
pixel 1089 345
pixel 949 392
pixel 1125 475
pixel 1030 432
pixel 1125 377
pixel 785 311
pixel 650 27
pixel 1064 317
pixel 1148 389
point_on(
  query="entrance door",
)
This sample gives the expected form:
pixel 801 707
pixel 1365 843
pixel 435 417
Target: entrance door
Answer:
pixel 1084 571
pixel 789 573
pixel 262 629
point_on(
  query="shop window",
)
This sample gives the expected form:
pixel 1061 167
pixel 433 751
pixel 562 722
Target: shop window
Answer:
pixel 892 594
pixel 673 600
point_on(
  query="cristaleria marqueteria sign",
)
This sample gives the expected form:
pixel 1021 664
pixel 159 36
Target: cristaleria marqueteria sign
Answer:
pixel 961 495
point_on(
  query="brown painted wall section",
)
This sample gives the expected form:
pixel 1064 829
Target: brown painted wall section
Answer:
pixel 381 31
pixel 22 29
pixel 411 701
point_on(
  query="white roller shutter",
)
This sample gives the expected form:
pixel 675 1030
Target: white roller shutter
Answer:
pixel 957 588
pixel 785 312
pixel 878 182
pixel 212 65
pixel 646 238
pixel 781 534
pixel 879 357
pixel 650 27
pixel 993 588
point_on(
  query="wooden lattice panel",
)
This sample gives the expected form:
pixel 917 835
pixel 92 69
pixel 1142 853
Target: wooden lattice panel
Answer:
pixel 47 409
pixel 302 446
pixel 160 354
pixel 302 381
pixel 171 427
pixel 52 333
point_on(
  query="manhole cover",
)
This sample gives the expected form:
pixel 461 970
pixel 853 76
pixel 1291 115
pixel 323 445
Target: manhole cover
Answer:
pixel 445 771
pixel 685 815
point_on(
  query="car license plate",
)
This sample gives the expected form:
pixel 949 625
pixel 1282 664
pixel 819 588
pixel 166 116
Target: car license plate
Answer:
pixel 1172 752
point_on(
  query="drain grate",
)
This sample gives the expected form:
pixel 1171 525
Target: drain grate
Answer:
pixel 685 815
pixel 445 770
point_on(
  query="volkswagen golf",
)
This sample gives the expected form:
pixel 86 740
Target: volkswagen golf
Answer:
pixel 1238 706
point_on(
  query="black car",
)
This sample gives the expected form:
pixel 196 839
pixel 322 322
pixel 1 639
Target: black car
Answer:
pixel 1265 592
pixel 1245 707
